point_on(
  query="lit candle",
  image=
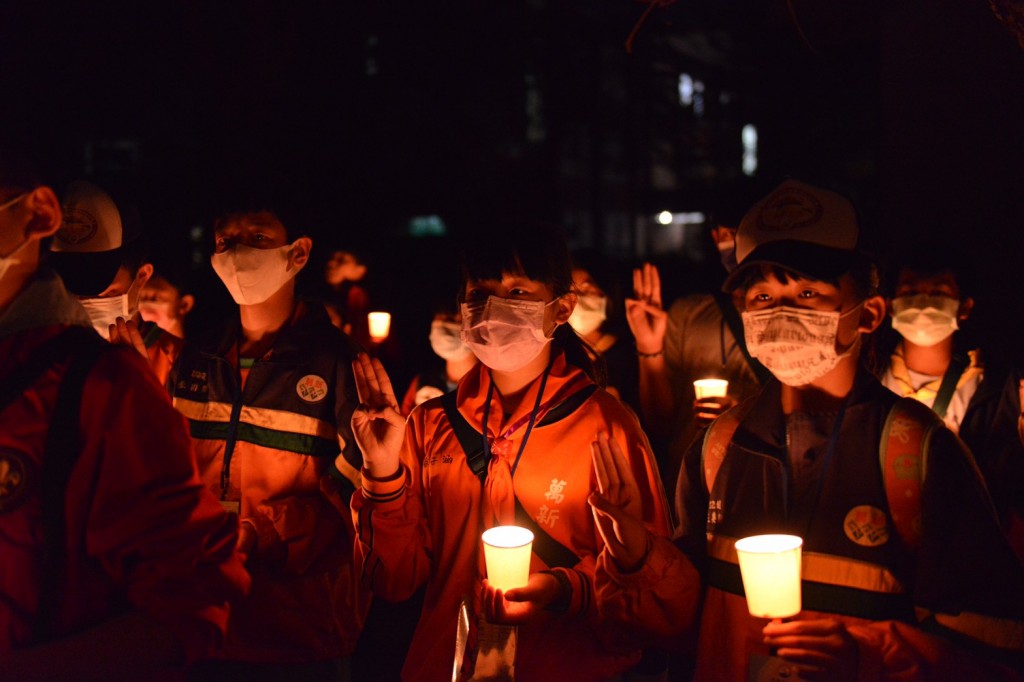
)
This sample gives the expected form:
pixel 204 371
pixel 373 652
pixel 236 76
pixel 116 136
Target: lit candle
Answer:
pixel 770 569
pixel 710 388
pixel 380 325
pixel 507 556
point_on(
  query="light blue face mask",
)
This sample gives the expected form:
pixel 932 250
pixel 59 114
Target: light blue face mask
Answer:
pixel 6 205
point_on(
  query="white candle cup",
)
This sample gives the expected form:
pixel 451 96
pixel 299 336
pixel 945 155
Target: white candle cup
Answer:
pixel 770 568
pixel 507 556
pixel 380 325
pixel 710 388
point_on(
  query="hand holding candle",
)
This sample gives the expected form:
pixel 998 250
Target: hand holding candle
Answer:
pixel 711 399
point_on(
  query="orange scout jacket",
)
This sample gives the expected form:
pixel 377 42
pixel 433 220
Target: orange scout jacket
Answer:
pixel 425 525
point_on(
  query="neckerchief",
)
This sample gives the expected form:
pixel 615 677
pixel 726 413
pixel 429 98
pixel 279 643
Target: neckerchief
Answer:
pixel 926 394
pixel 499 494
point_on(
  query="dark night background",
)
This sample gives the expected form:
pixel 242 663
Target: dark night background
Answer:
pixel 362 116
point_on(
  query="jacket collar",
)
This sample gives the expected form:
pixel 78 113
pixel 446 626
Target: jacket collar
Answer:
pixel 293 341
pixel 476 385
pixel 763 429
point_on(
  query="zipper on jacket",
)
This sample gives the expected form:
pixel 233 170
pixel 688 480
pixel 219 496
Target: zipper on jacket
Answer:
pixel 229 443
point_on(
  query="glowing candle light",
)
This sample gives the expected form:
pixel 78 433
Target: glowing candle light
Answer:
pixel 507 556
pixel 710 388
pixel 380 325
pixel 770 568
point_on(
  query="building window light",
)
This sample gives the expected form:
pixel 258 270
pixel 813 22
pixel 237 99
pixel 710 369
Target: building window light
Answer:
pixel 685 89
pixel 749 137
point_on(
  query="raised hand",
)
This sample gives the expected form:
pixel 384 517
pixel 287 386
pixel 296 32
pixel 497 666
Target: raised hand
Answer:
pixel 126 333
pixel 647 318
pixel 823 645
pixel 617 506
pixel 378 425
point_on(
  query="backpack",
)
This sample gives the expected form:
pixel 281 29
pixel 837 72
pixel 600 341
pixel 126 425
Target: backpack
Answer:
pixel 84 347
pixel 901 451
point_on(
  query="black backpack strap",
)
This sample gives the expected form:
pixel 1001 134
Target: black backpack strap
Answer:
pixel 732 318
pixel 63 447
pixel 551 552
pixel 45 356
pixel 947 388
pixel 470 439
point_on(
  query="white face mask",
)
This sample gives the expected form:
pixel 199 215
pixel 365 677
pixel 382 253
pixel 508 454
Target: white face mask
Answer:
pixel 925 320
pixel 589 313
pixel 505 334
pixel 104 312
pixel 797 345
pixel 446 340
pixel 253 275
pixel 12 259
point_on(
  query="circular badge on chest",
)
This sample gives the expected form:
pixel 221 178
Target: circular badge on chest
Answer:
pixel 867 526
pixel 311 388
pixel 16 479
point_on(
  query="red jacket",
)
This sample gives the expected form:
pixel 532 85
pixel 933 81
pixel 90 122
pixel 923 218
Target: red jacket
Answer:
pixel 425 526
pixel 142 532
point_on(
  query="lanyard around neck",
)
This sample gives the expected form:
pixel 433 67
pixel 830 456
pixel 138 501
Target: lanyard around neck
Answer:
pixel 516 426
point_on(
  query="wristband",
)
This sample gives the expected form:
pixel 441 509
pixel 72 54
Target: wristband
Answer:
pixel 650 355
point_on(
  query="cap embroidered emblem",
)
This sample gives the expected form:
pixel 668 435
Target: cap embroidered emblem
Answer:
pixel 790 208
pixel 15 479
pixel 867 526
pixel 311 388
pixel 79 226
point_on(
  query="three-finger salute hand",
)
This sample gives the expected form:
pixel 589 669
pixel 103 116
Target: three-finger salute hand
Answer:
pixel 377 424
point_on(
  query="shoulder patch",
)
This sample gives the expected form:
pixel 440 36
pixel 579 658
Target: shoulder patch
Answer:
pixel 17 475
pixel 311 388
pixel 867 526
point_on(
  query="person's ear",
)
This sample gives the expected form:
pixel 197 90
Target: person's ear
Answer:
pixel 964 311
pixel 872 313
pixel 185 305
pixel 564 307
pixel 47 215
pixel 300 251
pixel 143 275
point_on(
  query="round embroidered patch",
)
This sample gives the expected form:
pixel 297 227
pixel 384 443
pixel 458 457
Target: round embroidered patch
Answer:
pixel 867 526
pixel 79 226
pixel 789 209
pixel 311 388
pixel 16 478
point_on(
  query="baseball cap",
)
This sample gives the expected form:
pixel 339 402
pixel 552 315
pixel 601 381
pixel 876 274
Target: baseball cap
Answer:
pixel 806 229
pixel 88 248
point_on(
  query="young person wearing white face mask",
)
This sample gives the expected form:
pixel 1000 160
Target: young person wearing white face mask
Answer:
pixel 512 445
pixel 905 573
pixel 100 252
pixel 268 396
pixel 928 303
pixel 598 319
pixel 455 359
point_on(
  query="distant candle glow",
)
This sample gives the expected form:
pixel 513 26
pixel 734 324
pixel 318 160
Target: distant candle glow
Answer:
pixel 380 325
pixel 710 388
